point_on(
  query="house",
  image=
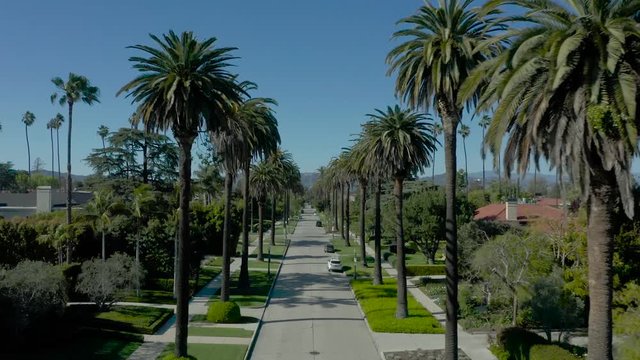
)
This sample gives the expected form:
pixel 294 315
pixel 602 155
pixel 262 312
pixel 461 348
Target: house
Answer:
pixel 517 212
pixel 43 200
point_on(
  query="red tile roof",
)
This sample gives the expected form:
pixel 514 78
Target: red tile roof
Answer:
pixel 526 212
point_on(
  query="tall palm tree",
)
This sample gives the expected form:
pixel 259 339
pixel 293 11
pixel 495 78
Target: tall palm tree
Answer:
pixel 50 127
pixel 264 176
pixel 28 119
pixel 444 42
pixel 362 172
pixel 464 131
pixel 566 90
pixel 437 131
pixel 76 88
pixel 99 209
pixel 184 86
pixel 484 123
pixel 58 120
pixel 287 172
pixel 404 141
pixel 103 131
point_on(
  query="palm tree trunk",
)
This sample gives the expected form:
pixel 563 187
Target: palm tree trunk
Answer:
pixel 450 121
pixel 58 144
pixel 182 288
pixel 26 132
pixel 273 220
pixel 466 168
pixel 335 209
pixel 433 169
pixel 483 153
pixel 251 201
pixel 401 306
pixel 342 211
pixel 347 215
pixel 377 271
pixel 69 189
pixel 226 272
pixel 600 234
pixel 260 255
pixel 53 164
pixel 145 159
pixel 243 281
pixel 103 246
pixel 363 208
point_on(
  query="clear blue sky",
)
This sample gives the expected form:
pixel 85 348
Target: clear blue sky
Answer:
pixel 323 61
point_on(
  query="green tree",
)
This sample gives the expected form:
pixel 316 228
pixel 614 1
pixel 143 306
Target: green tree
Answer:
pixel 424 219
pixel 444 42
pixel 566 91
pixel 404 141
pixel 184 85
pixel 103 131
pixel 28 119
pixel 99 210
pixel 76 88
pixel 264 177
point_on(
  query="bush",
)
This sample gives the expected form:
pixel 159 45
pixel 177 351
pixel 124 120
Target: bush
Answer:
pixel 550 351
pixel 517 343
pixel 425 270
pixel 227 312
pixel 104 282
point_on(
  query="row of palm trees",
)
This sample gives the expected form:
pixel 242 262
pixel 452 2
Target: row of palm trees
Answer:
pixel 561 85
pixel 185 85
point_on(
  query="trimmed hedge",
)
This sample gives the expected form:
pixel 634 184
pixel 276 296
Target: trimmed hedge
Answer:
pixel 425 270
pixel 134 319
pixel 555 352
pixel 227 312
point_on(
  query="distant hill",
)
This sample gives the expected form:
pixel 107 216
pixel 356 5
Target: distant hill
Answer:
pixel 490 176
pixel 308 179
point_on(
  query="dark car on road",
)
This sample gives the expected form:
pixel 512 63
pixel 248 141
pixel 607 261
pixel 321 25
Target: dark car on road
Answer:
pixel 329 248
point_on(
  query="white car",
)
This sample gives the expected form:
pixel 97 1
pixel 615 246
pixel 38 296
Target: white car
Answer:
pixel 334 265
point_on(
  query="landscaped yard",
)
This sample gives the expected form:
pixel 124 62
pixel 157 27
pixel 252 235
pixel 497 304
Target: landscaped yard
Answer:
pixel 219 331
pixel 379 305
pixel 81 348
pixel 210 351
pixel 256 294
pixel 133 319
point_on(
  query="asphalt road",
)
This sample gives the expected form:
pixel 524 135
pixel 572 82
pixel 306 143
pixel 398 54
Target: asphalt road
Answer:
pixel 312 313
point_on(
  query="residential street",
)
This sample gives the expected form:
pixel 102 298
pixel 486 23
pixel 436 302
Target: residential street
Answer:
pixel 312 313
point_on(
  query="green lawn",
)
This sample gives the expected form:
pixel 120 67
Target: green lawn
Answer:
pixel 255 264
pixel 83 348
pixel 379 306
pixel 256 294
pixel 219 331
pixel 135 319
pixel 210 351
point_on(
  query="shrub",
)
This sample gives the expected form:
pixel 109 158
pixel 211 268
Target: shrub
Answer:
pixel 104 281
pixel 518 341
pixel 550 351
pixel 227 312
pixel 425 270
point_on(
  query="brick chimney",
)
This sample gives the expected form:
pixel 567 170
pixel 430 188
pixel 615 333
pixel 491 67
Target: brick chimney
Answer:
pixel 511 210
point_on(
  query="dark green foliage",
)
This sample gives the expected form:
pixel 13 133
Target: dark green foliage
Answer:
pixel 227 312
pixel 546 352
pixel 133 319
pixel 20 241
pixel 425 270
pixel 517 342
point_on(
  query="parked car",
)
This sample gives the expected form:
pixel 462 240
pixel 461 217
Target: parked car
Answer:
pixel 334 265
pixel 319 223
pixel 328 248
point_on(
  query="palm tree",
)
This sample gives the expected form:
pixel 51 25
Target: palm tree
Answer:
pixel 444 43
pixel 99 210
pixel 76 88
pixel 184 85
pixel 362 172
pixel 484 123
pixel 103 131
pixel 464 131
pixel 404 141
pixel 50 127
pixel 264 176
pixel 437 131
pixel 287 172
pixel 57 123
pixel 566 90
pixel 28 119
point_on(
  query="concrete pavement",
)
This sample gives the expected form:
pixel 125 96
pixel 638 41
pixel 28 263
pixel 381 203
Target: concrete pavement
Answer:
pixel 312 313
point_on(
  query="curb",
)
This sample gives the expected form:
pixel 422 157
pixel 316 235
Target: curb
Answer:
pixel 252 344
pixel 364 317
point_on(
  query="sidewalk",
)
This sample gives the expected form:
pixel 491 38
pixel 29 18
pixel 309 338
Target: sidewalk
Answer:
pixel 475 346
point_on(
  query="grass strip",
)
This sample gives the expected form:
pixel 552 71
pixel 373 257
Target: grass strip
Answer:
pixel 379 305
pixel 208 351
pixel 219 331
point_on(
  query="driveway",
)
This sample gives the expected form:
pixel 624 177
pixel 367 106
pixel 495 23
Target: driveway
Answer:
pixel 312 313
